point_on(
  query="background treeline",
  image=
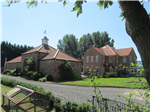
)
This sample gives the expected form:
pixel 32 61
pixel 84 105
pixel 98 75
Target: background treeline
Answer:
pixel 72 46
pixel 12 51
pixel 68 44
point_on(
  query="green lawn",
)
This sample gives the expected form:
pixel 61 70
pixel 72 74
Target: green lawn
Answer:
pixel 25 107
pixel 104 82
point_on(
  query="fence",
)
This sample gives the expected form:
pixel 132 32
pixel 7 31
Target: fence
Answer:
pixel 108 105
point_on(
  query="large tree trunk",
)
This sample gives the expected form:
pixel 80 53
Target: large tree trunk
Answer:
pixel 138 27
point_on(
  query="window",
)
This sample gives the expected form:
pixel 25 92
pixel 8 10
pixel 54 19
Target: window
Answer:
pixel 103 59
pixel 130 59
pixel 117 59
pixel 124 59
pixel 110 59
pixel 91 58
pixel 87 68
pixel 87 59
pixel 96 58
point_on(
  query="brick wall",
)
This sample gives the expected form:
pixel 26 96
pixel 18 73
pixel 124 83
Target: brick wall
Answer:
pixel 51 67
pixel 12 66
pixel 94 53
pixel 26 56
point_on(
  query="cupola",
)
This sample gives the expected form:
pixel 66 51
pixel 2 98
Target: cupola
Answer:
pixel 45 40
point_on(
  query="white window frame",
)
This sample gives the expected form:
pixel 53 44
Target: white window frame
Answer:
pixel 130 59
pixel 103 59
pixel 110 59
pixel 87 59
pixel 92 59
pixel 116 59
pixel 96 58
pixel 124 59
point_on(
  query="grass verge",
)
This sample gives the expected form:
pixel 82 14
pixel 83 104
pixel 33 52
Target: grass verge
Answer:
pixel 104 82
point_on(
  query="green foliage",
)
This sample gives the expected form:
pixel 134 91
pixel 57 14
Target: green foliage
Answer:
pixel 49 77
pixel 12 83
pixel 29 74
pixel 43 79
pixel 11 51
pixel 36 75
pixel 66 71
pixel 58 107
pixel 16 72
pixel 96 39
pixel 104 4
pixel 7 72
pixel 69 44
pixel 30 64
pixel 74 107
pixel 111 74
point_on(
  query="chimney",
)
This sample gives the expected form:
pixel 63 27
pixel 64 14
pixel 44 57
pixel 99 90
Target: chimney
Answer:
pixel 90 46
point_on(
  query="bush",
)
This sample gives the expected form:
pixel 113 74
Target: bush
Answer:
pixel 29 74
pixel 67 72
pixel 16 72
pixel 43 79
pixel 58 107
pixel 12 83
pixel 76 77
pixel 36 75
pixel 49 77
pixel 7 72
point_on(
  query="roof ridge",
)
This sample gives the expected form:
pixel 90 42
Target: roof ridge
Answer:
pixel 111 49
pixel 56 54
pixel 125 48
pixel 39 48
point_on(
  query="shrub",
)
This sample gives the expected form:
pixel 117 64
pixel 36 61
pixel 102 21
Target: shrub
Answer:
pixel 15 72
pixel 66 71
pixel 58 107
pixel 36 75
pixel 112 74
pixel 12 83
pixel 7 72
pixel 43 79
pixel 49 77
pixel 76 77
pixel 29 74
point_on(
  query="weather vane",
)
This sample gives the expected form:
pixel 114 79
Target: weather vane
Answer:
pixel 44 32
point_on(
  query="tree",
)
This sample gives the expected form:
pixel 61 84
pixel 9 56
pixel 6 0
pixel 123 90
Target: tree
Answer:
pixel 69 44
pixel 97 39
pixel 137 25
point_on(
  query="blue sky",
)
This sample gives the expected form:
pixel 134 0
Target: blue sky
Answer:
pixel 25 26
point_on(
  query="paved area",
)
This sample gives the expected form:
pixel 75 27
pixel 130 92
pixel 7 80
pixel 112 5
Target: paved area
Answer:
pixel 74 93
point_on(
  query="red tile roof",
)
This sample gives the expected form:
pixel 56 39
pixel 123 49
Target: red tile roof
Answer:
pixel 33 50
pixel 124 52
pixel 15 60
pixel 109 51
pixel 52 53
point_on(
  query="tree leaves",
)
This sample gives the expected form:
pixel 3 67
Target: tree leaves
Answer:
pixel 78 7
pixel 122 16
pixel 104 4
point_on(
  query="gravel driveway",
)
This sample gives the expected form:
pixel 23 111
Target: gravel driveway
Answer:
pixel 74 93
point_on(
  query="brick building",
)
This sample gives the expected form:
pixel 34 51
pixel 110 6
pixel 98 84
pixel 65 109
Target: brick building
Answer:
pixel 107 57
pixel 47 59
